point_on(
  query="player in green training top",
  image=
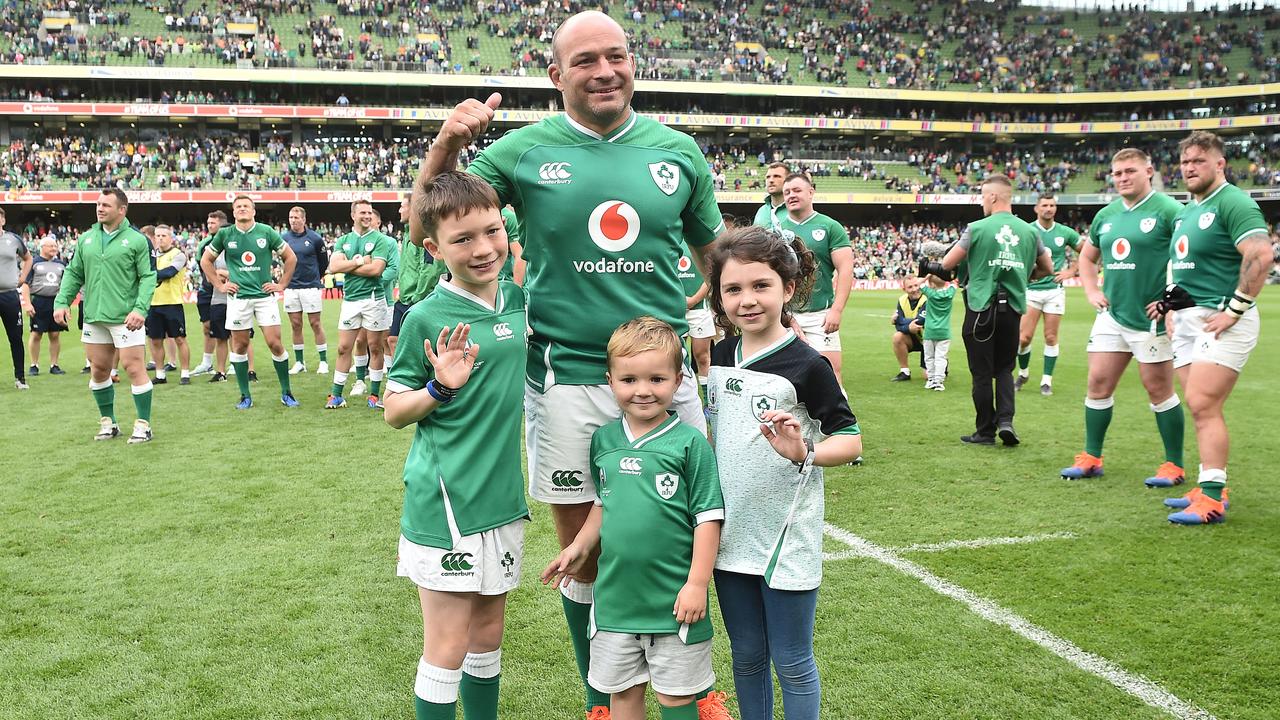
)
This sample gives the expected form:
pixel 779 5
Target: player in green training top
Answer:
pixel 1129 242
pixel 112 263
pixel 604 196
pixel 1221 255
pixel 458 375
pixel 1047 296
pixel 247 246
pixel 774 209
pixel 819 319
pixel 657 524
pixel 363 254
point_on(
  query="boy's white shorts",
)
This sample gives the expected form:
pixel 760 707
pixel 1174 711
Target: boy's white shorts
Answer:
pixel 487 563
pixel 623 660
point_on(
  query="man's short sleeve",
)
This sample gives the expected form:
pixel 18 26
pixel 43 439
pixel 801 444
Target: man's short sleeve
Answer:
pixel 701 216
pixel 217 242
pixel 382 248
pixel 839 237
pixel 966 240
pixel 493 164
pixel 410 369
pixel 1243 217
pixel 274 240
pixel 706 502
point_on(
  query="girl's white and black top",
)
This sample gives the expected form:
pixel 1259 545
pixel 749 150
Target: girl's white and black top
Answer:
pixel 773 512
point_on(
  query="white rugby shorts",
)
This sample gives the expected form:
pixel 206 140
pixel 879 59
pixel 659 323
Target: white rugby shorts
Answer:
pixel 115 334
pixel 1191 344
pixel 702 323
pixel 1050 302
pixel 623 660
pixel 811 324
pixel 302 300
pixel 487 563
pixel 372 313
pixel 241 313
pixel 1146 347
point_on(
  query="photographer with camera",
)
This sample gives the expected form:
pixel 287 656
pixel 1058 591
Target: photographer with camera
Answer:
pixel 996 256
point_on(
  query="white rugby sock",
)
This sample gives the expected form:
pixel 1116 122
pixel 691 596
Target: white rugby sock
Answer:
pixel 436 684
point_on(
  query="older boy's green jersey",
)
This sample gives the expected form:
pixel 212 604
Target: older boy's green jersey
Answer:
pixel 602 218
pixel 1057 238
pixel 371 245
pixel 1134 242
pixel 655 489
pixel 937 311
pixel 822 235
pixel 463 468
pixel 1205 260
pixel 248 256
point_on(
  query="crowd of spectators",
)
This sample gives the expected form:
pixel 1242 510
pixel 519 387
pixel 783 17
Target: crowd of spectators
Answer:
pixel 998 46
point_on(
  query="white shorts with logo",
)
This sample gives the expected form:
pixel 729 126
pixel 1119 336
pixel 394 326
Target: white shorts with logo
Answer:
pixel 1108 335
pixel 487 563
pixel 702 323
pixel 372 313
pixel 1049 302
pixel 623 660
pixel 241 313
pixel 1191 344
pixel 302 300
pixel 114 334
pixel 811 323
pixel 558 428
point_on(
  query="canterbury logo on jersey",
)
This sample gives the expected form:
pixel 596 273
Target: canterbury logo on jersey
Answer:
pixel 566 479
pixel 456 562
pixel 630 465
pixel 733 385
pixel 555 173
pixel 502 331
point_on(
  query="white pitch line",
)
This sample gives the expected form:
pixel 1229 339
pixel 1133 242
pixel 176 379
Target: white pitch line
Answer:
pixel 958 545
pixel 1135 685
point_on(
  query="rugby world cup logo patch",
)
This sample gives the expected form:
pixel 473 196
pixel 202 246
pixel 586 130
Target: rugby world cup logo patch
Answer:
pixel 1206 220
pixel 1120 248
pixel 1147 224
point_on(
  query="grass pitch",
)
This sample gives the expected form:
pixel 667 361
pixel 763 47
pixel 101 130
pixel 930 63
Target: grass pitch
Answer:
pixel 242 564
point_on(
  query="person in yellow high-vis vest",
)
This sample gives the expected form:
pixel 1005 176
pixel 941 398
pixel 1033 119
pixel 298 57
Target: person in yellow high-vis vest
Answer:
pixel 167 319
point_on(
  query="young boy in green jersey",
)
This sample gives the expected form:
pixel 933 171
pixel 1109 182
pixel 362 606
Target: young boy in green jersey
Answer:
pixel 657 523
pixel 462 527
pixel 939 296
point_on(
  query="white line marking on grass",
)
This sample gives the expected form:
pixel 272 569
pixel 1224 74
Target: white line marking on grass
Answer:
pixel 958 545
pixel 1135 685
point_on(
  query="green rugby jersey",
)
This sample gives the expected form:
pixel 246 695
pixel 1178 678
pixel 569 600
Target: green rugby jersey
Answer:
pixel 1134 242
pixel 690 279
pixel 1002 255
pixel 248 256
pixel 114 270
pixel 412 264
pixel 1206 233
pixel 769 215
pixel 512 224
pixel 1057 238
pixel 937 311
pixel 391 273
pixel 654 489
pixel 602 219
pixel 372 244
pixel 822 235
pixel 463 468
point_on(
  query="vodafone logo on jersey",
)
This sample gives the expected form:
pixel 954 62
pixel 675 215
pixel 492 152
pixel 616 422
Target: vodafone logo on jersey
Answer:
pixel 684 264
pixel 1120 248
pixel 1181 247
pixel 248 258
pixel 614 226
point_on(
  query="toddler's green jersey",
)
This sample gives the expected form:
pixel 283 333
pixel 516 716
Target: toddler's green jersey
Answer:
pixel 602 218
pixel 1134 243
pixel 822 235
pixel 371 245
pixel 937 311
pixel 1057 238
pixel 655 489
pixel 463 468
pixel 1206 233
pixel 248 256
pixel 391 273
pixel 114 269
pixel 690 278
